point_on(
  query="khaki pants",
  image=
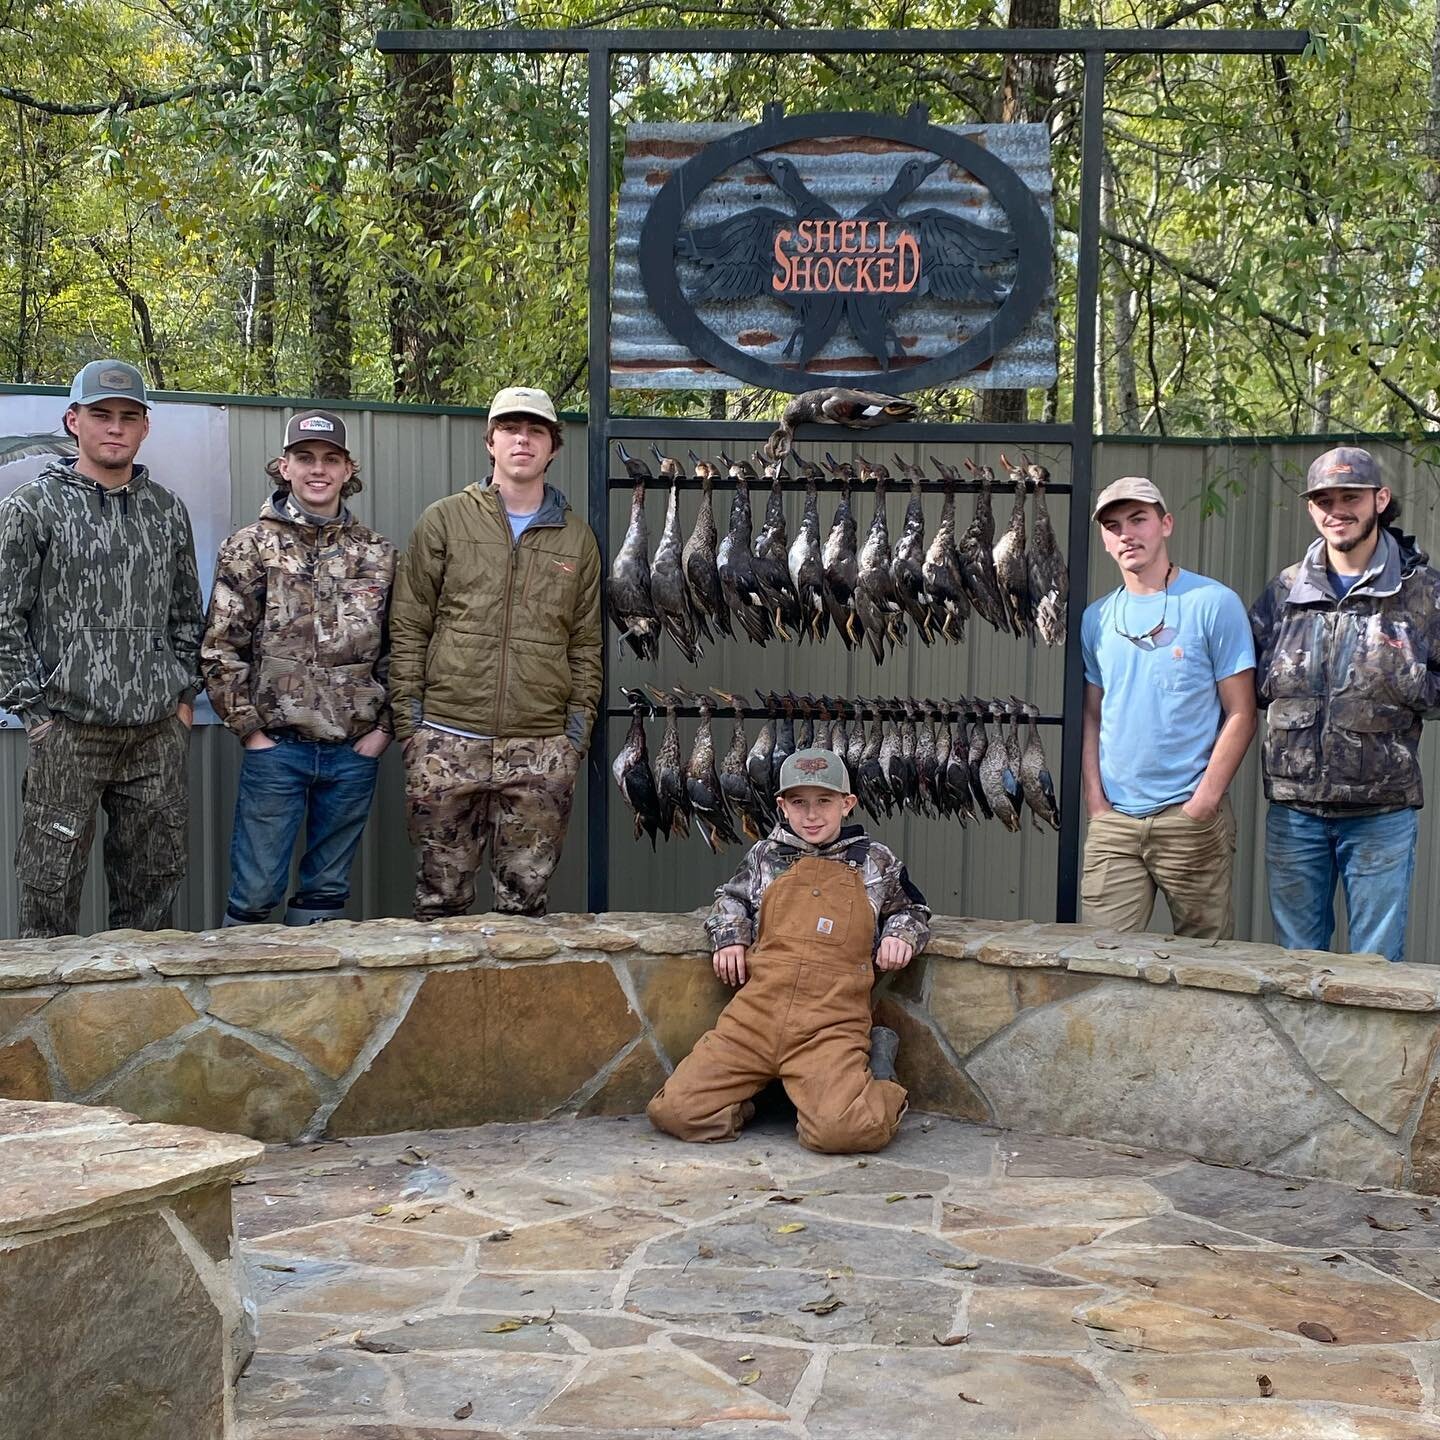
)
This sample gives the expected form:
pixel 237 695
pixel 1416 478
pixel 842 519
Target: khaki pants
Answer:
pixel 803 1016
pixel 139 774
pixel 1128 858
pixel 465 796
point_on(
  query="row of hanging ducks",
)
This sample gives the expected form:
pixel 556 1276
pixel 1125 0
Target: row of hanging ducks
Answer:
pixel 928 757
pixel 768 587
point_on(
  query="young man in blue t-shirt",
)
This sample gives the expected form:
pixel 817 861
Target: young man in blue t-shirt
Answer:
pixel 1169 714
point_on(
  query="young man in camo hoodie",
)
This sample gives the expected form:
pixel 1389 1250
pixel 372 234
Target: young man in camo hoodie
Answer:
pixel 100 619
pixel 296 662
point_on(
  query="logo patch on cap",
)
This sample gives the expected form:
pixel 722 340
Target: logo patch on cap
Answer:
pixel 812 765
pixel 115 379
pixel 315 422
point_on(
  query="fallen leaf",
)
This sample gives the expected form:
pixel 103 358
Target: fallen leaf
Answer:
pixel 949 1339
pixel 465 1411
pixel 1423 1211
pixel 1267 1386
pixel 1161 954
pixel 961 1264
pixel 744 1358
pixel 285 1269
pixel 381 1347
pixel 748 1378
pixel 1314 1330
pixel 1148 1281
pixel 506 1326
pixel 793 1228
pixel 843 1273
pixel 823 1306
pixel 1203 1246
pixel 969 1399
pixel 498 1235
pixel 1105 945
pixel 861 1164
pixel 670 1204
pixel 413 1215
pixel 551 1200
pixel 382 1210
pixel 705 1252
pixel 1335 1259
pixel 1390 1225
pixel 891 1199
pixel 753 1161
pixel 783 1199
pixel 411 1156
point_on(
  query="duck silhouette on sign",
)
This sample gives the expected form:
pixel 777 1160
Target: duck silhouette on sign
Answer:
pixel 863 270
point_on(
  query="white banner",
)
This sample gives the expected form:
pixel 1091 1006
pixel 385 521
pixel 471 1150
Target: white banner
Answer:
pixel 187 451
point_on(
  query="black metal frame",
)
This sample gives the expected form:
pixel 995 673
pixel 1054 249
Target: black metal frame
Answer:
pixel 1078 435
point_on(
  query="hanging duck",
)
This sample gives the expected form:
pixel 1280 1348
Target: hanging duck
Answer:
pixel 697 559
pixel 805 561
pixel 670 773
pixel 707 799
pixel 944 580
pixel 907 566
pixel 1035 777
pixel 1011 571
pixel 1049 577
pixel 979 748
pixel 771 554
pixel 667 573
pixel 758 767
pixel 631 769
pixel 993 770
pixel 840 563
pixel 976 550
pixel 734 774
pixel 631 608
pixel 876 602
pixel 736 565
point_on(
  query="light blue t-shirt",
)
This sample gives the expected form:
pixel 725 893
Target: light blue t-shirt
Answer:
pixel 1161 711
pixel 519 523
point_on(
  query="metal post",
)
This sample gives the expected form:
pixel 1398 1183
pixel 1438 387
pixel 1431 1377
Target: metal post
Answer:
pixel 597 438
pixel 1082 454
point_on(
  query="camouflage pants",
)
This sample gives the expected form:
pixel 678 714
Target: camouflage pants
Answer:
pixel 139 775
pixel 462 795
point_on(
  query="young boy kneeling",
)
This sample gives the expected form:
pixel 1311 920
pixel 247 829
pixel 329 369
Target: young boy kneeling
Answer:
pixel 821 894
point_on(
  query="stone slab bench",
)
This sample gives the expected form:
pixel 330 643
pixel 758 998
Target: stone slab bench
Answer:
pixel 120 1289
pixel 1303 1062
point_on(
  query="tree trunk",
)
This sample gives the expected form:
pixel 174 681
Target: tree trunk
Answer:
pixel 1124 413
pixel 330 326
pixel 427 334
pixel 1027 90
pixel 140 309
pixel 1432 147
pixel 262 339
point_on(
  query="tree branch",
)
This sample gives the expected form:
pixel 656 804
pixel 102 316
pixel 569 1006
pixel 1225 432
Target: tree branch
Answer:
pixel 127 99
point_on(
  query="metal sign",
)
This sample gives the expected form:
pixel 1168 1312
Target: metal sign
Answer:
pixel 856 247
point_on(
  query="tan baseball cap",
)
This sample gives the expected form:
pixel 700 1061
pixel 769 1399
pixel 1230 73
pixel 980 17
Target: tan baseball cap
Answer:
pixel 518 400
pixel 814 767
pixel 1129 487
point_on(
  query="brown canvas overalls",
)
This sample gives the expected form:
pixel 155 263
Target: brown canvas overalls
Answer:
pixel 803 1016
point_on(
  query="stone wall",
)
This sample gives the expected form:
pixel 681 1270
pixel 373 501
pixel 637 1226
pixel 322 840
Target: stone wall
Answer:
pixel 120 1287
pixel 1308 1063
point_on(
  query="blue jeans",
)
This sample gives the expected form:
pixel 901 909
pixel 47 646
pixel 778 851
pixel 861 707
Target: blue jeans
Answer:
pixel 1373 856
pixel 327 786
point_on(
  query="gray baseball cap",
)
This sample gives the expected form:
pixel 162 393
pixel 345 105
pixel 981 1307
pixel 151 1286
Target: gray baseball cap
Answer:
pixel 316 425
pixel 814 767
pixel 108 380
pixel 1346 467
pixel 1128 487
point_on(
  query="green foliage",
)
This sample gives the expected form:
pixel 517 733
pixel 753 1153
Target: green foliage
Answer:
pixel 1267 224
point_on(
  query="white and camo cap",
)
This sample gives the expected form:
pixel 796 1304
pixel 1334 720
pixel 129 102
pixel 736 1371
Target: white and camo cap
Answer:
pixel 521 400
pixel 814 767
pixel 108 380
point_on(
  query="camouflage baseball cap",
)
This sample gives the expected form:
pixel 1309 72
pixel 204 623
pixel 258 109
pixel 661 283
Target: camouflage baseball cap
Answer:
pixel 1346 467
pixel 520 400
pixel 814 767
pixel 1128 487
pixel 316 425
pixel 108 380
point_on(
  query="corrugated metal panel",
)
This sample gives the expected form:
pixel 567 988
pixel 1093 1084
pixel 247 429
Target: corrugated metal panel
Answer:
pixel 848 174
pixel 410 460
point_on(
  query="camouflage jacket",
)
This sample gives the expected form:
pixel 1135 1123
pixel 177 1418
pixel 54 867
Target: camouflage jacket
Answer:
pixel 1348 681
pixel 100 607
pixel 900 908
pixel 296 637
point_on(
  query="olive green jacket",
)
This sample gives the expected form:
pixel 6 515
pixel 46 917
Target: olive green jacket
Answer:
pixel 496 636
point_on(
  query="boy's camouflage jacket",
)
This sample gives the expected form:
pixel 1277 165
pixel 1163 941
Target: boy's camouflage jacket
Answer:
pixel 1347 682
pixel 900 908
pixel 296 635
pixel 100 608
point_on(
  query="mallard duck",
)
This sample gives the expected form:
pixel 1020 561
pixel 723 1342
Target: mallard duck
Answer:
pixel 876 602
pixel 997 777
pixel 1035 779
pixel 1011 572
pixel 899 775
pixel 631 608
pixel 979 748
pixel 697 559
pixel 670 773
pixel 805 562
pixel 772 570
pixel 907 564
pixel 1049 578
pixel 922 717
pixel 734 773
pixel 702 783
pixel 667 574
pixel 976 551
pixel 631 769
pixel 736 565
pixel 840 561
pixel 944 580
pixel 959 788
pixel 836 405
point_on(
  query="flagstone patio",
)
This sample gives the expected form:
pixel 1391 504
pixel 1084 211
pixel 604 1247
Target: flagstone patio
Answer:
pixel 590 1278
